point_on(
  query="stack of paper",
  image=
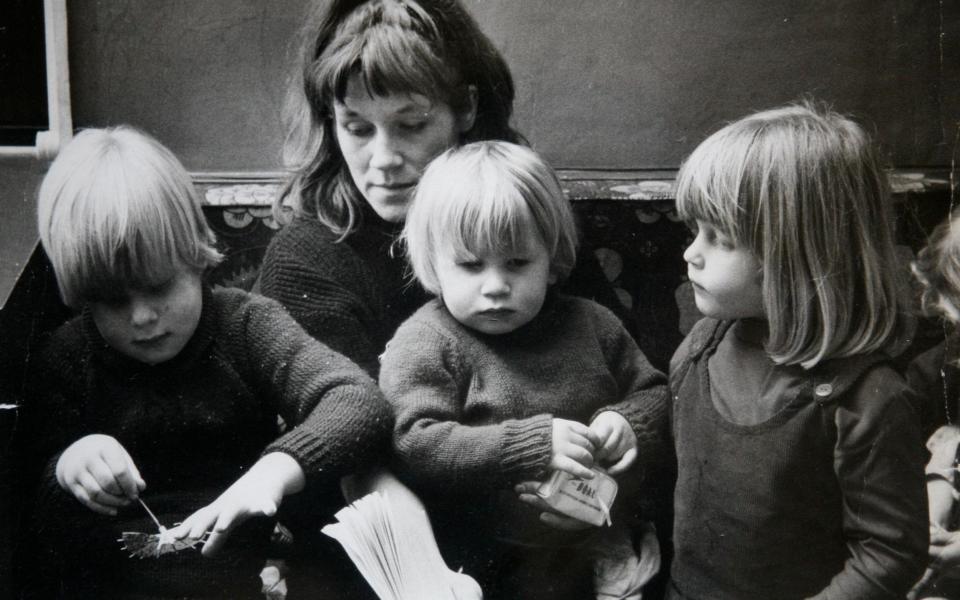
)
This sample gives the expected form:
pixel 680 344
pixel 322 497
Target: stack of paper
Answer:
pixel 394 549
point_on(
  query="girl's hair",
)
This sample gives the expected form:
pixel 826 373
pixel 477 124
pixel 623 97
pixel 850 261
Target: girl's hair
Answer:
pixel 802 187
pixel 487 197
pixel 117 210
pixel 937 268
pixel 430 47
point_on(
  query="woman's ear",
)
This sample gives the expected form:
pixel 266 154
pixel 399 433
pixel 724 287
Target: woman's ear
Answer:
pixel 466 118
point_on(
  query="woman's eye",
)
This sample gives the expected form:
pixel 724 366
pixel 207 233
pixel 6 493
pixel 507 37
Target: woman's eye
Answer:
pixel 358 129
pixel 414 126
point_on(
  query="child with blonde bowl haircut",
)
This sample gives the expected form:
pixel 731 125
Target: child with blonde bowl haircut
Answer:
pixel 501 380
pixel 167 392
pixel 934 376
pixel 800 472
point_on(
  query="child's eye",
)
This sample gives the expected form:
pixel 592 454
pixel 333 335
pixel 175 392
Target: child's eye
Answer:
pixel 518 263
pixel 470 265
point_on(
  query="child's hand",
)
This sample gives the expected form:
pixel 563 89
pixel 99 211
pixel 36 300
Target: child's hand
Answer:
pixel 258 492
pixel 944 549
pixel 99 473
pixel 617 442
pixel 574 445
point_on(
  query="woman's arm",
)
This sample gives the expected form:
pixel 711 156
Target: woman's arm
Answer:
pixel 324 288
pixel 337 420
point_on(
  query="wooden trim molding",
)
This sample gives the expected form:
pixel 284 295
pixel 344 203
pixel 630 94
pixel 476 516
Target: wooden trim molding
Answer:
pixel 259 188
pixel 59 113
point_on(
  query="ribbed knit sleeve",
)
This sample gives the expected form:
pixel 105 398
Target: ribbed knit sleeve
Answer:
pixel 324 285
pixel 338 422
pixel 643 391
pixel 425 383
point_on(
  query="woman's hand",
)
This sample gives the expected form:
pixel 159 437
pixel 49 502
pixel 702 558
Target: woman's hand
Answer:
pixel 616 442
pixel 258 492
pixel 574 445
pixel 99 473
pixel 527 491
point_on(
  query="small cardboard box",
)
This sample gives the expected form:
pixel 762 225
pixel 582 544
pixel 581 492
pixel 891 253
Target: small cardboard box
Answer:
pixel 588 500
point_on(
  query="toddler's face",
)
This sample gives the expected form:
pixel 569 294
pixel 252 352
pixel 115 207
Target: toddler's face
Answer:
pixel 494 293
pixel 153 324
pixel 726 277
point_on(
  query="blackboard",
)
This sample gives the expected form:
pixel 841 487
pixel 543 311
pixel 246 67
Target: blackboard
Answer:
pixel 608 84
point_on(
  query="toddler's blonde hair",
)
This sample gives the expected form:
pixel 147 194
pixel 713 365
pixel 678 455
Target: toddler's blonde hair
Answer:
pixel 116 211
pixel 802 187
pixel 487 197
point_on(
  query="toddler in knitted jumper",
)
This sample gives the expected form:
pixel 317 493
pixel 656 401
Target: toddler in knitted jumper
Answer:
pixel 167 391
pixel 500 381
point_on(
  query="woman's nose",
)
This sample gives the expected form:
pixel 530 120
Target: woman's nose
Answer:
pixel 385 152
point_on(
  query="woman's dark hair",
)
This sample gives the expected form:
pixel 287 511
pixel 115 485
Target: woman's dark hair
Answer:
pixel 431 47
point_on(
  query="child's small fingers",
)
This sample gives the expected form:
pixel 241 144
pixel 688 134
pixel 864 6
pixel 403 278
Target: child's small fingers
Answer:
pixel 564 463
pixel 626 461
pixel 526 487
pixel 578 454
pixel 97 493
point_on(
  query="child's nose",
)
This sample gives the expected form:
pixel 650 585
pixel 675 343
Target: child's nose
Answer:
pixel 142 312
pixel 495 284
pixel 692 254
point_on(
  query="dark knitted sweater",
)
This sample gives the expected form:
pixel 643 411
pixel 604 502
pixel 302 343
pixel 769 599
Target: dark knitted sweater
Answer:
pixel 474 411
pixel 352 295
pixel 823 499
pixel 193 424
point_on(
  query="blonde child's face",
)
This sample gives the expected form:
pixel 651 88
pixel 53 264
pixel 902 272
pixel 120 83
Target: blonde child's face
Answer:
pixel 726 277
pixel 153 324
pixel 495 293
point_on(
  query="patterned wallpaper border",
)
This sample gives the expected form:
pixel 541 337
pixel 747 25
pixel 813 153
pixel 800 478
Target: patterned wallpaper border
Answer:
pixel 257 189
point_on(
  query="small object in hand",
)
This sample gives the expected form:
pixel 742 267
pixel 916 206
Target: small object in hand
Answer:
pixel 588 500
pixel 152 545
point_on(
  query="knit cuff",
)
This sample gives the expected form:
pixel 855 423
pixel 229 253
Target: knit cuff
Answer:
pixel 527 445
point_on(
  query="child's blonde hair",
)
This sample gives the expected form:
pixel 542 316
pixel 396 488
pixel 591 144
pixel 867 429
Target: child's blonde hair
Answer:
pixel 117 210
pixel 487 197
pixel 937 268
pixel 802 187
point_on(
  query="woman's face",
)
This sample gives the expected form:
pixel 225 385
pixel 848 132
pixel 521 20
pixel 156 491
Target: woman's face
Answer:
pixel 387 142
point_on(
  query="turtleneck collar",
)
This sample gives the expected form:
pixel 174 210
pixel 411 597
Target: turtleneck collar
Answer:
pixel 198 344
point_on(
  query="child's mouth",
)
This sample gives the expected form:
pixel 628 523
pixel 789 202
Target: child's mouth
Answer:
pixel 151 341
